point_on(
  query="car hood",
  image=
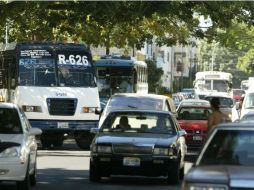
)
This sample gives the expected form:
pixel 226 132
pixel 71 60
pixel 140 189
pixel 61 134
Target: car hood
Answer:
pixel 16 138
pixel 136 139
pixel 233 175
pixel 194 124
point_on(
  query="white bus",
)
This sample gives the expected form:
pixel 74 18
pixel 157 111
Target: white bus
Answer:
pixel 54 83
pixel 120 74
pixel 208 82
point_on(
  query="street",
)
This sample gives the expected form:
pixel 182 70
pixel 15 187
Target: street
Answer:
pixel 68 168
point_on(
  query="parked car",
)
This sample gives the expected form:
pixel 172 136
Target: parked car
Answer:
pixel 226 161
pixel 226 103
pixel 134 101
pixel 192 117
pixel 18 147
pixel 138 142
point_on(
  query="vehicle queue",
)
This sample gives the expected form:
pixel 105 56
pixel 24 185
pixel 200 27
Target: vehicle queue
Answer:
pixel 144 134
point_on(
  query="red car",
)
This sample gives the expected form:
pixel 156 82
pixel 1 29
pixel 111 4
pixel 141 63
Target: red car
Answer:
pixel 238 93
pixel 192 117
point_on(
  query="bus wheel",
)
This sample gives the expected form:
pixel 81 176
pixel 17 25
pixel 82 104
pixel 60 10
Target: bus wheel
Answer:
pixel 84 140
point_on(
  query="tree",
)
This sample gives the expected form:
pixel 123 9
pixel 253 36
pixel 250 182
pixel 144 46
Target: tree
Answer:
pixel 119 23
pixel 154 76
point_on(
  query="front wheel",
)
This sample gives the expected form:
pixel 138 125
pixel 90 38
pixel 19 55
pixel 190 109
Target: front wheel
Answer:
pixel 94 174
pixel 174 174
pixel 25 184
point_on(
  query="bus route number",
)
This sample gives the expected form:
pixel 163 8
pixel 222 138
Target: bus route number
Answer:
pixel 73 60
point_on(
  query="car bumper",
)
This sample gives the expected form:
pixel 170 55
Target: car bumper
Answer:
pixel 149 166
pixel 11 169
pixel 195 141
pixel 64 126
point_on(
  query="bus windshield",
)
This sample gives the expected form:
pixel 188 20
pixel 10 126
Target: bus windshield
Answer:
pixel 114 80
pixel 213 85
pixel 70 69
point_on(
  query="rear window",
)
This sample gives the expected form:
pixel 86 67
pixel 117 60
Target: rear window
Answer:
pixel 224 101
pixel 117 103
pixel 9 121
pixel 190 113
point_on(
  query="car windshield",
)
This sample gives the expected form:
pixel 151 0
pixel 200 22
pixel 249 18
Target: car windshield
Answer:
pixel 139 122
pixel 134 103
pixel 230 147
pixel 9 121
pixel 194 113
pixel 224 101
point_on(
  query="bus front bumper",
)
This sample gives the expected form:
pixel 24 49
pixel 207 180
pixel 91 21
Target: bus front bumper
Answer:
pixel 64 125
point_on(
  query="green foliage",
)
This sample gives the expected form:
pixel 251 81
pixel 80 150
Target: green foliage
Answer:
pixel 154 76
pixel 118 23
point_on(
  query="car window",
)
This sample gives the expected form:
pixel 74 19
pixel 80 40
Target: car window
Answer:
pixel 134 103
pixel 9 121
pixel 231 148
pixel 193 113
pixel 139 122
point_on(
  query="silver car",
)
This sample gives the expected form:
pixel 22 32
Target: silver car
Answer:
pixel 18 147
pixel 226 161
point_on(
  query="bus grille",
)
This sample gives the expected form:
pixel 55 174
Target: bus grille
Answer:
pixel 59 106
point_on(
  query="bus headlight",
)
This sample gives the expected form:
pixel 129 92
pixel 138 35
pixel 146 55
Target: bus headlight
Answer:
pixel 28 108
pixel 88 110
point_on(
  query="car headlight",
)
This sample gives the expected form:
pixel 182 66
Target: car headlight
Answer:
pixel 206 187
pixel 10 152
pixel 104 149
pixel 163 151
pixel 28 108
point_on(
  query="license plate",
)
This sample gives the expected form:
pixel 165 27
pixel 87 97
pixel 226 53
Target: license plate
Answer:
pixel 131 161
pixel 63 125
pixel 197 138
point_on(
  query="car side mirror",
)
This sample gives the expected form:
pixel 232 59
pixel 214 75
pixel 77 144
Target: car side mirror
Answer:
pixel 98 111
pixel 34 132
pixel 94 130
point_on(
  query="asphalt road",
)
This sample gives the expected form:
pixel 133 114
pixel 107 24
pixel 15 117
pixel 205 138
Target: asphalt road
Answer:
pixel 67 168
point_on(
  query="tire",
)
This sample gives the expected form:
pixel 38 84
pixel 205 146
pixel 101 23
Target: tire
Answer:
pixel 33 176
pixel 174 174
pixel 25 184
pixel 94 174
pixel 181 173
pixel 58 143
pixel 84 141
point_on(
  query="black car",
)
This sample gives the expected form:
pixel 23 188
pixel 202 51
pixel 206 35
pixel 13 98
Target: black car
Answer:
pixel 226 161
pixel 144 143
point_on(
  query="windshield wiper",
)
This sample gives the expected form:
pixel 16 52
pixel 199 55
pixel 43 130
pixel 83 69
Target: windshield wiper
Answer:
pixel 129 106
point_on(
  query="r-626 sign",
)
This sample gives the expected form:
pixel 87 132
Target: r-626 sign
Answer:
pixel 73 60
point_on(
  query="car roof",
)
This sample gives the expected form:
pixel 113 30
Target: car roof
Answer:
pixel 8 105
pixel 195 102
pixel 154 96
pixel 236 126
pixel 140 111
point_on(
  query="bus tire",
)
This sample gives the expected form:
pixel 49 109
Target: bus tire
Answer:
pixel 84 140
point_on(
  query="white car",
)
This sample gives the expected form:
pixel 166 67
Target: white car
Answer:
pixel 135 101
pixel 18 147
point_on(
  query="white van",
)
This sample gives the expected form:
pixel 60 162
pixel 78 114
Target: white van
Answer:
pixel 248 102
